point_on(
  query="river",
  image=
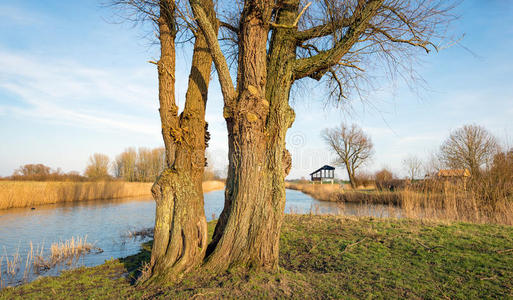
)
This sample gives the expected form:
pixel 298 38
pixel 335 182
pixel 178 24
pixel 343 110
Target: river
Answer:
pixel 107 222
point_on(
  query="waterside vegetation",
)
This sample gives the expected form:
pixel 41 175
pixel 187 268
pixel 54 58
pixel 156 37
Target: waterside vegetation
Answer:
pixel 325 257
pixel 32 193
pixel 430 199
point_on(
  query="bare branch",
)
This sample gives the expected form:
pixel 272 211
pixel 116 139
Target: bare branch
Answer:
pixel 223 71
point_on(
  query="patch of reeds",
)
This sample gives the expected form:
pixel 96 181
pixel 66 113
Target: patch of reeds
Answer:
pixel 337 193
pixel 37 262
pixel 212 185
pixel 444 200
pixel 478 201
pixel 32 193
pixel 69 249
pixel 322 192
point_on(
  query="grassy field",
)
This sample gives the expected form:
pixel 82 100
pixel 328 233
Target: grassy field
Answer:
pixel 32 193
pixel 327 257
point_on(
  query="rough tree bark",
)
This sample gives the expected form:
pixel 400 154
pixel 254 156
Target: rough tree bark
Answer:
pixel 248 222
pixel 180 236
pixel 258 114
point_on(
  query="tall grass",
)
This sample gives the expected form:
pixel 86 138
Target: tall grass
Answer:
pixel 322 192
pixel 448 201
pixel 479 202
pixel 31 193
pixel 212 185
pixel 335 193
pixel 37 262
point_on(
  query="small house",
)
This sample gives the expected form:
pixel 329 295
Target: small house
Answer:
pixel 324 173
pixel 457 177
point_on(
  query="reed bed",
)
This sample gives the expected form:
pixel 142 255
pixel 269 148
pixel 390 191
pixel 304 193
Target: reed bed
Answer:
pixel 212 185
pixel 336 193
pixel 322 192
pixel 455 204
pixel 37 262
pixel 31 193
pixel 435 200
pixel 69 249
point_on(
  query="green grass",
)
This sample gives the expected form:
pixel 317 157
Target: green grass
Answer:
pixel 327 257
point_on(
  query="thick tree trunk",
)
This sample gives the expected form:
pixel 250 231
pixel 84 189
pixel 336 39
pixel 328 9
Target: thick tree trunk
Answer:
pixel 248 229
pixel 180 237
pixel 352 178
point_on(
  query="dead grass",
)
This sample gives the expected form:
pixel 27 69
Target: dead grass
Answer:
pixel 322 192
pixel 37 261
pixel 212 185
pixel 69 249
pixel 455 204
pixel 31 193
pixel 430 200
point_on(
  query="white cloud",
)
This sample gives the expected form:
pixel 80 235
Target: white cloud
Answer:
pixel 68 92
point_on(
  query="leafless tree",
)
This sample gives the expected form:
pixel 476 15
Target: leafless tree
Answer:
pixel 352 147
pixel 469 147
pixel 97 167
pixel 125 165
pixel 32 170
pixel 413 165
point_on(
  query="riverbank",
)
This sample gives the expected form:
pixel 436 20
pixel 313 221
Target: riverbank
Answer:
pixel 327 257
pixel 31 193
pixel 451 204
pixel 335 193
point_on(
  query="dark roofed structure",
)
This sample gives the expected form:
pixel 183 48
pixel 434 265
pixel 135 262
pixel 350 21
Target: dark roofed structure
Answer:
pixel 325 172
pixel 453 173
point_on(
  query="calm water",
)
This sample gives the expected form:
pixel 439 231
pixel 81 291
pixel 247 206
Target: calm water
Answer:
pixel 106 224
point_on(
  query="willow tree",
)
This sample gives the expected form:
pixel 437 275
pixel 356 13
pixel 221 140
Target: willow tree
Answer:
pixel 180 236
pixel 331 40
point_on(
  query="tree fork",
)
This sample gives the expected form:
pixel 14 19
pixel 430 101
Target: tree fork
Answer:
pixel 180 237
pixel 248 229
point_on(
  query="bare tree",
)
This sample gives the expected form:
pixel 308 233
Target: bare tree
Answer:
pixel 352 147
pixel 97 167
pixel 469 147
pixel 32 170
pixel 125 165
pixel 413 165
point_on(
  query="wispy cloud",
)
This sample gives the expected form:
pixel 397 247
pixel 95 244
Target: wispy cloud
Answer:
pixel 66 91
pixel 18 15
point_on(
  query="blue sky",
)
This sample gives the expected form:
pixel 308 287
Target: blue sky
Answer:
pixel 74 82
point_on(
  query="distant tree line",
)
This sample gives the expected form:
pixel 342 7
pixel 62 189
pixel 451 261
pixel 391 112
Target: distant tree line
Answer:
pixel 40 172
pixel 141 165
pixel 145 164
